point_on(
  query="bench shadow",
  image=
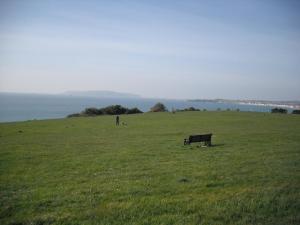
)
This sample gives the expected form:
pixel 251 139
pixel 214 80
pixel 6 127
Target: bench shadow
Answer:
pixel 203 146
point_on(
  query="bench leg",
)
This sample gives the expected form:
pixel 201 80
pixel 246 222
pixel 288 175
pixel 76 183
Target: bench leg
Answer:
pixel 207 143
pixel 185 142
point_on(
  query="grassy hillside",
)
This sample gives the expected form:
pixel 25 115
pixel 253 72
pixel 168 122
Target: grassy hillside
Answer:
pixel 88 171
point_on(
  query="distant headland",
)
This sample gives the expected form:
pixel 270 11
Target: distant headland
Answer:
pixel 100 94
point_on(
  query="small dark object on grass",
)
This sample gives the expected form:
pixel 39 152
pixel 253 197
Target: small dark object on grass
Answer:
pixel 183 180
pixel 214 185
pixel 206 138
pixel 20 131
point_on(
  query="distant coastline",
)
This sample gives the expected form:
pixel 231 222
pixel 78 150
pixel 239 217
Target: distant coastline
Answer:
pixel 283 104
pixel 22 107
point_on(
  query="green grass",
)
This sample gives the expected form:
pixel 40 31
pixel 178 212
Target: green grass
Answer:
pixel 88 171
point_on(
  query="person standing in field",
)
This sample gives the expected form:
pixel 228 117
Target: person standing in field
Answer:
pixel 117 120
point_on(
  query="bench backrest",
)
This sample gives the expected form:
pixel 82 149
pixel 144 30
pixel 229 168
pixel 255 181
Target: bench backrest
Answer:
pixel 201 137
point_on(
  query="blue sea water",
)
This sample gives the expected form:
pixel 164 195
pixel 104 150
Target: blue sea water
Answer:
pixel 21 107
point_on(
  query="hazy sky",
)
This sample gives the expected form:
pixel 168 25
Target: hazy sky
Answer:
pixel 173 49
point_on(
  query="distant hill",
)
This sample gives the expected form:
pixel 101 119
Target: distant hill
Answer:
pixel 101 94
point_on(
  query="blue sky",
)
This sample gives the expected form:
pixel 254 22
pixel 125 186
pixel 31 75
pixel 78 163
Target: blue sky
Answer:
pixel 171 49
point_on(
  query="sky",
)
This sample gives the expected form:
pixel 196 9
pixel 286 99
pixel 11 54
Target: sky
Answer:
pixel 156 48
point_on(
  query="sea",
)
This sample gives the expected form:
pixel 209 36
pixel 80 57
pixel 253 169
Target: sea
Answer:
pixel 23 107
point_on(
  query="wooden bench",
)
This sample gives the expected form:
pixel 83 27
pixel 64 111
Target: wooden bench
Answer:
pixel 206 138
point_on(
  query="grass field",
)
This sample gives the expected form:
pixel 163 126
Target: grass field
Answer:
pixel 88 171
